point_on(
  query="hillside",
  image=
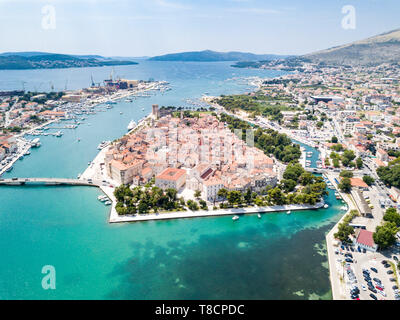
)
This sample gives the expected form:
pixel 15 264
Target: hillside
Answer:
pixel 372 51
pixel 209 56
pixel 44 60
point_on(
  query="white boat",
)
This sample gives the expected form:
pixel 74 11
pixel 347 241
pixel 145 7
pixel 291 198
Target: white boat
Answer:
pixel 131 125
pixel 79 176
pixel 142 109
pixel 101 197
pixel 235 218
pixel 326 206
pixel 35 142
pixel 289 212
pixel 121 112
pixel 259 216
pixel 107 203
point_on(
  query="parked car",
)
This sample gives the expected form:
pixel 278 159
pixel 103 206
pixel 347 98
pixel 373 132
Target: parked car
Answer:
pixel 372 289
pixel 374 270
pixel 373 296
pixel 389 272
pixel 363 287
pixel 364 250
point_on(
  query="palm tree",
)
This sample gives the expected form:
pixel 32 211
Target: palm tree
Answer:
pixel 197 194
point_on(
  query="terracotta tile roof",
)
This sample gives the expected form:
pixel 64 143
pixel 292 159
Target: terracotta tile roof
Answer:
pixel 365 237
pixel 171 174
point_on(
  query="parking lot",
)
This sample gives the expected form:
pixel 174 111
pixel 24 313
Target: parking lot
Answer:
pixel 354 277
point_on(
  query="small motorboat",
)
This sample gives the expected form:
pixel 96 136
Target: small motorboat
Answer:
pixel 259 216
pixel 289 212
pixel 326 206
pixel 235 218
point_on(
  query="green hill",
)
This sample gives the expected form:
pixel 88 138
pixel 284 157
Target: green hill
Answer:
pixel 44 60
pixel 209 56
pixel 384 48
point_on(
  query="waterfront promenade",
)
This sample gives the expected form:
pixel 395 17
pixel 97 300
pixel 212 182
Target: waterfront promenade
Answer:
pixel 115 218
pixel 336 269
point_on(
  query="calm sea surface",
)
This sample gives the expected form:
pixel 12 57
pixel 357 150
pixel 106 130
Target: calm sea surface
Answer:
pixel 277 257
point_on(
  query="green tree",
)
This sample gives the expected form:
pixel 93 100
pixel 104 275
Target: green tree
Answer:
pixel 346 174
pixel 345 185
pixel 171 194
pixel 203 205
pixel 334 140
pixel 368 180
pixel 288 184
pixel 143 207
pixel 222 193
pixel 385 236
pixel 359 163
pixel 234 197
pixel 336 163
pixel 344 231
pixel 197 194
pixel 392 215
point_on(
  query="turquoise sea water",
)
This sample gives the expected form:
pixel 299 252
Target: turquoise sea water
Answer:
pixel 277 257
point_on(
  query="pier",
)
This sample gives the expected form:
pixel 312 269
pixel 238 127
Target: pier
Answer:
pixel 49 181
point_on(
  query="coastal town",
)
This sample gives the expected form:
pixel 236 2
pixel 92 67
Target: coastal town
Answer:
pixel 241 156
pixel 352 115
pixel 31 113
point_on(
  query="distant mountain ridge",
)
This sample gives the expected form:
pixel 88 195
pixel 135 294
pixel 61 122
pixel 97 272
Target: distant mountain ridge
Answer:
pixel 210 56
pixel 371 51
pixel 45 60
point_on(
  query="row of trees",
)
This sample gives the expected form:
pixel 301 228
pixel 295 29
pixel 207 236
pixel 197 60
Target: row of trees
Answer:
pixel 297 187
pixel 268 140
pixel 142 200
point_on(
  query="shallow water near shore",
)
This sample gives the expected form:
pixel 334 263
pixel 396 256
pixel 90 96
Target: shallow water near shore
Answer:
pixel 274 257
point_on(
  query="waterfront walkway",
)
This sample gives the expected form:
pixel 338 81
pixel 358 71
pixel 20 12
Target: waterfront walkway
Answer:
pixel 115 218
pixel 50 181
pixel 336 269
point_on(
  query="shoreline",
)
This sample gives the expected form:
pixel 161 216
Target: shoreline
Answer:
pixel 338 287
pixel 115 218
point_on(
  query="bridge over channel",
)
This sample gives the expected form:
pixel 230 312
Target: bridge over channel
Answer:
pixel 315 170
pixel 50 181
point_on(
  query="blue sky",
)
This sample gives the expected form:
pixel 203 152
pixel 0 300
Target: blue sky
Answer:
pixel 152 27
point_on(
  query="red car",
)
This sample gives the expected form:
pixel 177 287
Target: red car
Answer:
pixel 379 288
